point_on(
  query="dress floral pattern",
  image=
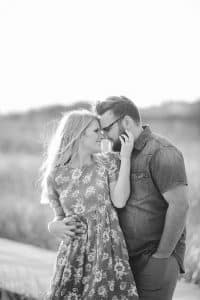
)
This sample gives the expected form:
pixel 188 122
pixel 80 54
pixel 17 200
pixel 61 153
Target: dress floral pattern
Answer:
pixel 94 264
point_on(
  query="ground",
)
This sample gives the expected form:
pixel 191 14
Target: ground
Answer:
pixel 25 268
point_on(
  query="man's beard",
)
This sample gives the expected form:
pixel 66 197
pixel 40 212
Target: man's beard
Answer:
pixel 116 145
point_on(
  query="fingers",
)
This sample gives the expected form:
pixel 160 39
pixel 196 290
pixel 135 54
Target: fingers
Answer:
pixel 121 140
pixel 65 237
pixel 130 135
pixel 126 138
pixel 127 143
pixel 73 229
pixel 70 219
pixel 69 227
pixel 69 233
pixel 75 223
pixel 80 230
pixel 65 232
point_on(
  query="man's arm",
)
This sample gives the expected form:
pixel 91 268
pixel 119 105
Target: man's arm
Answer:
pixel 168 172
pixel 175 220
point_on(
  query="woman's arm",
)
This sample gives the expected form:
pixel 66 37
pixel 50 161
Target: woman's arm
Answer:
pixel 120 190
pixel 61 227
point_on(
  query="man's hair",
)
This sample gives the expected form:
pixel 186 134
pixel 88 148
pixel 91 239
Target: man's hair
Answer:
pixel 119 106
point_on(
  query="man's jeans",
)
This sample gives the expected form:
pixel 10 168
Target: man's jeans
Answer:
pixel 155 278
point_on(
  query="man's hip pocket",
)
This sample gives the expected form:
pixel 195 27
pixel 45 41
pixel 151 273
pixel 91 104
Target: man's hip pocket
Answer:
pixel 154 273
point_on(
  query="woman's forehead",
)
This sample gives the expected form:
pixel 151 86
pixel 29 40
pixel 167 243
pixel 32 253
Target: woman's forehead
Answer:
pixel 95 123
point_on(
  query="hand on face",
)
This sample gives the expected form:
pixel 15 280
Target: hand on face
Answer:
pixel 127 143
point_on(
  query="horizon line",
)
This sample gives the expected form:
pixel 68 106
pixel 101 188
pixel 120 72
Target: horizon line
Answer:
pixel 46 106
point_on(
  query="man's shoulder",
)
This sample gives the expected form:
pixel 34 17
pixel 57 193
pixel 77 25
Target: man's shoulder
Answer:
pixel 158 142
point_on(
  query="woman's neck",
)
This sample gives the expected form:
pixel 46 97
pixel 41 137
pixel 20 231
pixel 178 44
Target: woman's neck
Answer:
pixel 81 159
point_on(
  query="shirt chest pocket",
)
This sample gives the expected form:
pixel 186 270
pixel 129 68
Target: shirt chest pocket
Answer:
pixel 141 184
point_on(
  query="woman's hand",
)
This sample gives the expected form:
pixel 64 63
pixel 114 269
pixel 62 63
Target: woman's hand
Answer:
pixel 127 143
pixel 66 228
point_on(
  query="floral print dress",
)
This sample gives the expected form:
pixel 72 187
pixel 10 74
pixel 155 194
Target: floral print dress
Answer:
pixel 94 264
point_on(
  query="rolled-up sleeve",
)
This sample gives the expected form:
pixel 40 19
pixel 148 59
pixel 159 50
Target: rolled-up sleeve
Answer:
pixel 168 169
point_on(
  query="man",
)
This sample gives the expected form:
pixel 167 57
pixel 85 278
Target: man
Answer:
pixel 154 218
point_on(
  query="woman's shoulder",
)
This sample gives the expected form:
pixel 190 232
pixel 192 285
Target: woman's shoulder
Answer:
pixel 55 172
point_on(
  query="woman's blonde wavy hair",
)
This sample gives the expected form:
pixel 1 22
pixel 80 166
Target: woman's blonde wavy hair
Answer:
pixel 64 143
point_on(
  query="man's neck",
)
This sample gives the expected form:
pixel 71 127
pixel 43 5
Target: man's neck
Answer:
pixel 138 132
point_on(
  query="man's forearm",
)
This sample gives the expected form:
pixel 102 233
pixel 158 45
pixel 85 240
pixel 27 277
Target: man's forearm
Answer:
pixel 175 222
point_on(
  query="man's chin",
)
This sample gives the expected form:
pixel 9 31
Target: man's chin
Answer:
pixel 116 146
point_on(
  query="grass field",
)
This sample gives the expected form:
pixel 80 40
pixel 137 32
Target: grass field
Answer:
pixel 27 270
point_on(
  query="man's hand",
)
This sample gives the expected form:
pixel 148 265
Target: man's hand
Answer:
pixel 66 228
pixel 175 220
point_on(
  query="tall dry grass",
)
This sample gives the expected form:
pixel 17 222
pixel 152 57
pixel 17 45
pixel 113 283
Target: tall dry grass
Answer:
pixel 23 218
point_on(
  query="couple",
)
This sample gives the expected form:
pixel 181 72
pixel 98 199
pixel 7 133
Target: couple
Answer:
pixel 121 215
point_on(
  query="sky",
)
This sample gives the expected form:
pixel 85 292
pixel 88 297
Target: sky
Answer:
pixel 58 52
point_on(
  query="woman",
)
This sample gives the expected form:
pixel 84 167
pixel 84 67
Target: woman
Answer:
pixel 83 186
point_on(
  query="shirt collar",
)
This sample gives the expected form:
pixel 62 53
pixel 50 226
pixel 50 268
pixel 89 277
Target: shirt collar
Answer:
pixel 143 138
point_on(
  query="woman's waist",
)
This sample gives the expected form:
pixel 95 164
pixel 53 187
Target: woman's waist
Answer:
pixel 88 212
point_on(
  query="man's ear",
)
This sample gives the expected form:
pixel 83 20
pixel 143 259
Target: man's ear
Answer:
pixel 127 122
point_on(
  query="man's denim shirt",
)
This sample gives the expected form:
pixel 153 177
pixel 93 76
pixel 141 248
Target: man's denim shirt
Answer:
pixel 157 166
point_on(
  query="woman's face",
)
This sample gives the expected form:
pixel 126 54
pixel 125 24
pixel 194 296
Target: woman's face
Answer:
pixel 92 137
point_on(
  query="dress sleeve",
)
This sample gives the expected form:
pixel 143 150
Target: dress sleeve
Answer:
pixel 113 165
pixel 53 198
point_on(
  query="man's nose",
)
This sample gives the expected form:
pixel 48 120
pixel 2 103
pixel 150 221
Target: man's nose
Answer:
pixel 103 134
